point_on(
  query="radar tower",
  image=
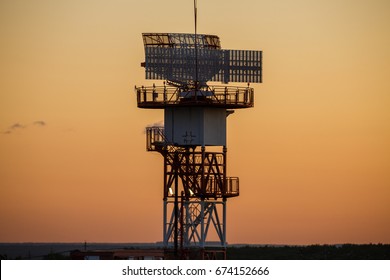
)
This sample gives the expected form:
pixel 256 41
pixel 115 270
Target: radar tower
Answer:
pixel 193 140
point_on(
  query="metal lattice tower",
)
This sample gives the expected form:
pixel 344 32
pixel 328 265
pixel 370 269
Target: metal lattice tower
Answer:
pixel 196 186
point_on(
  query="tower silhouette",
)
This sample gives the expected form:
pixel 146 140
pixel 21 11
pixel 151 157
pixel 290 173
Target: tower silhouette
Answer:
pixel 192 141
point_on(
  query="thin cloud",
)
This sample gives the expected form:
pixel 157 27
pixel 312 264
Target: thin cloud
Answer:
pixel 19 126
pixel 12 128
pixel 39 123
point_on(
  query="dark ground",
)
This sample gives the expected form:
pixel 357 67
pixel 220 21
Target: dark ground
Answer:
pixel 312 252
pixel 234 252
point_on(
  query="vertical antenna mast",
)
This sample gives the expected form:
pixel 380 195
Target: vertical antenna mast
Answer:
pixel 196 49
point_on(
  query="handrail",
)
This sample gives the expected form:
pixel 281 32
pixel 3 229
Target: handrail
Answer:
pixel 215 186
pixel 163 96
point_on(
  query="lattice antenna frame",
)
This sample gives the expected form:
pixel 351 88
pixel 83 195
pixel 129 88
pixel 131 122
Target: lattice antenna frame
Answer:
pixel 189 58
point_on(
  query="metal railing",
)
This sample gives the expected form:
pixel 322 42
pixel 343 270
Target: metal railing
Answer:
pixel 163 96
pixel 155 138
pixel 214 187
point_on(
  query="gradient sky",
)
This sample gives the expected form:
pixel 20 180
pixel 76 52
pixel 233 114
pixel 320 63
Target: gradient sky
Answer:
pixel 313 155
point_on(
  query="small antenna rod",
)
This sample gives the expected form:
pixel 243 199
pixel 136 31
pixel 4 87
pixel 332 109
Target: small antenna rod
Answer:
pixel 196 48
pixel 195 14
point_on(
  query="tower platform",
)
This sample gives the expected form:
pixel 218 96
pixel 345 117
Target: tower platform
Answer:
pixel 160 97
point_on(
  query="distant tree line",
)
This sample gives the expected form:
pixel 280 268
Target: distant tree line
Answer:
pixel 312 252
pixel 250 252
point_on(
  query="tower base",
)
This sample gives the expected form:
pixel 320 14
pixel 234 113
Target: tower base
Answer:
pixel 196 254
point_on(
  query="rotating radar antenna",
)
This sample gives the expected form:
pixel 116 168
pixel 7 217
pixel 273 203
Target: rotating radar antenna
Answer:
pixel 191 60
pixel 186 59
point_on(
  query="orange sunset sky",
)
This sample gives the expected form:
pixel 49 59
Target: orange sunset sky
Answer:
pixel 313 155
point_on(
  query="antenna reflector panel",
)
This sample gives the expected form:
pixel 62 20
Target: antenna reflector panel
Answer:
pixel 176 57
pixel 181 40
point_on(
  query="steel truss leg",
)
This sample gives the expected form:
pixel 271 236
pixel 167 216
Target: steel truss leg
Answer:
pixel 198 220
